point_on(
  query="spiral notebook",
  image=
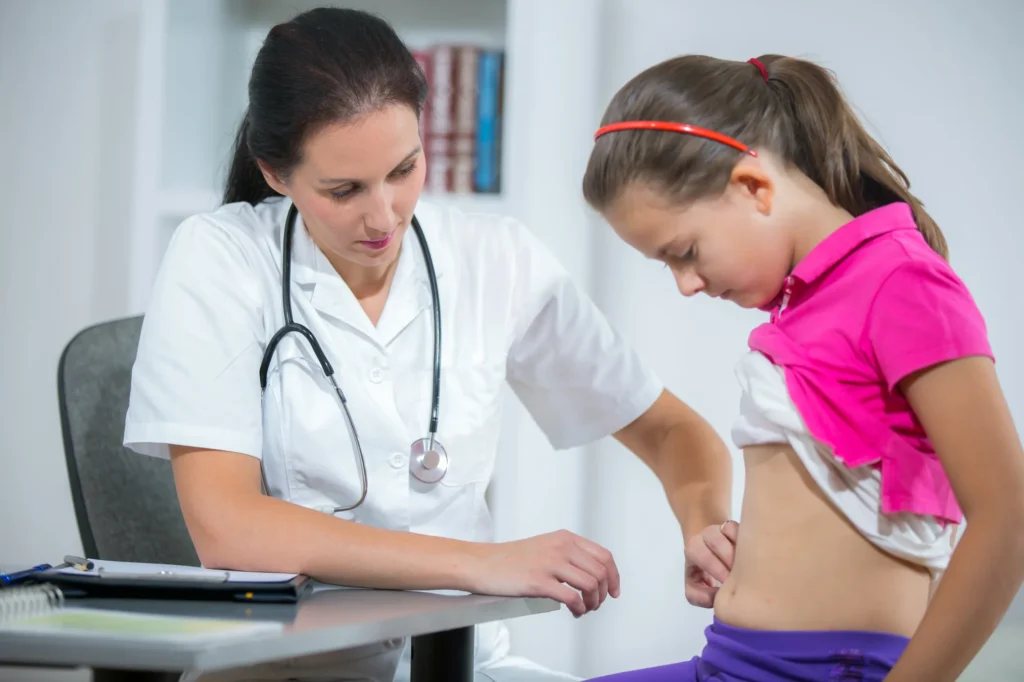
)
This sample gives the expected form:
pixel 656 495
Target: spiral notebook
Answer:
pixel 41 610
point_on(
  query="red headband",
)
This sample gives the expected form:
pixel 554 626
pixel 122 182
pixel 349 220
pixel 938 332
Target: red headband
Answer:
pixel 684 128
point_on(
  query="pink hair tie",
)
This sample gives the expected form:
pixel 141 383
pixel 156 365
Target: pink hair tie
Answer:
pixel 760 67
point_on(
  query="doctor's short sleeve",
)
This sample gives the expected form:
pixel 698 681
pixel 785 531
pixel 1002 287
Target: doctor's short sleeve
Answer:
pixel 577 377
pixel 195 381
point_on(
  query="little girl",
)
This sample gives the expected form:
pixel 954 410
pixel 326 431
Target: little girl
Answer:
pixel 871 419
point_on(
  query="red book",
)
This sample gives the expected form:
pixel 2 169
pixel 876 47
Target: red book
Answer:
pixel 425 58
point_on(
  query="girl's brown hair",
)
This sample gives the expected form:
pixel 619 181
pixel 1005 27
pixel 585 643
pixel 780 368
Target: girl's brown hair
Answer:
pixel 795 110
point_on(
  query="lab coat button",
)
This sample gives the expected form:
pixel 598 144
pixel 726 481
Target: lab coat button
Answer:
pixel 376 375
pixel 398 460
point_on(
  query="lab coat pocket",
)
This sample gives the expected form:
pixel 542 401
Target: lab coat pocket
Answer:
pixel 307 444
pixel 470 421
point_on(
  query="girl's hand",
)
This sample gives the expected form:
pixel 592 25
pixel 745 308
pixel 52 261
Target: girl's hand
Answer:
pixel 709 558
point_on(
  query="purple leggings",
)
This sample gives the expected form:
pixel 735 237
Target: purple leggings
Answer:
pixel 739 655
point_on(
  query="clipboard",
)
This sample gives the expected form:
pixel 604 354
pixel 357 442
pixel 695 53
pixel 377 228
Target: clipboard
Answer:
pixel 129 580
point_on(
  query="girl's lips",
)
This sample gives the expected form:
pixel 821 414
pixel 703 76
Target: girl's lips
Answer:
pixel 379 243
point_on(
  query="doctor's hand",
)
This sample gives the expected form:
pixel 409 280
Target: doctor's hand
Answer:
pixel 709 558
pixel 562 566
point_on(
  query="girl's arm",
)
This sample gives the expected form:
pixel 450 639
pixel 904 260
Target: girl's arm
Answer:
pixel 963 411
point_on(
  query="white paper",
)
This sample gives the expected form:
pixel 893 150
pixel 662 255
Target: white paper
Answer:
pixel 128 568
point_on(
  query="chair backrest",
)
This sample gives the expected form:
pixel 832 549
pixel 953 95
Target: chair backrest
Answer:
pixel 125 503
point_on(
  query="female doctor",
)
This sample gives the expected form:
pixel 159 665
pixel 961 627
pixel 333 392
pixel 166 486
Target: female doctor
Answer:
pixel 419 314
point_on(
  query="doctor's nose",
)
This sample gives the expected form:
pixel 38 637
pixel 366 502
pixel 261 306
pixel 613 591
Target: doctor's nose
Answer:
pixel 689 282
pixel 378 215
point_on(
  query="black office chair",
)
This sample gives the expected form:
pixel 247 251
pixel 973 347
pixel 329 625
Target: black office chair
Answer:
pixel 125 503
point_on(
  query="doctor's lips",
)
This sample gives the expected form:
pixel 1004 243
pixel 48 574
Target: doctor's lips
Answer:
pixel 378 244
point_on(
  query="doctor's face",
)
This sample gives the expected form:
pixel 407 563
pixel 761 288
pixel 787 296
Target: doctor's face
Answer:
pixel 357 186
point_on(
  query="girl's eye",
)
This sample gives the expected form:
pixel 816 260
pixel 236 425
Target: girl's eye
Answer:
pixel 685 257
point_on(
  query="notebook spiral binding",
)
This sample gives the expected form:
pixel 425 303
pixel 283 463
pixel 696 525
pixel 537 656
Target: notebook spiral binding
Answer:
pixel 30 600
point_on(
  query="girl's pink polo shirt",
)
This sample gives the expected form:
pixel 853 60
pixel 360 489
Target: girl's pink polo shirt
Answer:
pixel 869 305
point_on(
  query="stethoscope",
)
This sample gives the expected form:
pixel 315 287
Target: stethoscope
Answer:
pixel 428 461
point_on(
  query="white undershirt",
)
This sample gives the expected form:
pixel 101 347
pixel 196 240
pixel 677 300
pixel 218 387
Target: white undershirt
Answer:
pixel 768 415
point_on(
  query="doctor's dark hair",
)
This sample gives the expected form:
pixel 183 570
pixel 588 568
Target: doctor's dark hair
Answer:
pixel 793 109
pixel 327 65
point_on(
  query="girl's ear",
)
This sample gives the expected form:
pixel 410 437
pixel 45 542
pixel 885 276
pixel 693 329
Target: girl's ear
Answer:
pixel 751 181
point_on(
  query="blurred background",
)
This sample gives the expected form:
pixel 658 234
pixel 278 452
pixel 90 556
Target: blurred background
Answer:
pixel 116 117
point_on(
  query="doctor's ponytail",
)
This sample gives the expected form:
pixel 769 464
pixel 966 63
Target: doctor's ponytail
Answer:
pixel 325 66
pixel 245 180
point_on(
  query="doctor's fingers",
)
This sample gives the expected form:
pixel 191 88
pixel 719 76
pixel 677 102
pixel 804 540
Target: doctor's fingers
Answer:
pixel 604 557
pixel 588 564
pixel 731 530
pixel 700 555
pixel 560 592
pixel 721 545
pixel 587 585
pixel 700 594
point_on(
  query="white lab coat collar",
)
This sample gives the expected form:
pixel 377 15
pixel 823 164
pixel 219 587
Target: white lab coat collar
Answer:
pixel 330 295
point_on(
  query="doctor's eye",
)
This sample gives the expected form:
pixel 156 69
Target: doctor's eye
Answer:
pixel 404 170
pixel 341 194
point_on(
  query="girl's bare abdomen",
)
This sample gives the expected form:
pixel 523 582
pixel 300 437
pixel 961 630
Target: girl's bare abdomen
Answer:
pixel 801 565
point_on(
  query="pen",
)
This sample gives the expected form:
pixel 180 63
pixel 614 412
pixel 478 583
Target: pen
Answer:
pixel 78 562
pixel 21 576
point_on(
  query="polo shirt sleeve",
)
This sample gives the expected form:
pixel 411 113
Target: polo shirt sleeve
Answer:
pixel 923 315
pixel 574 373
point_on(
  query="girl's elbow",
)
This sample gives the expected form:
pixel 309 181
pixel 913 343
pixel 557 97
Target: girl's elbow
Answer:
pixel 1005 521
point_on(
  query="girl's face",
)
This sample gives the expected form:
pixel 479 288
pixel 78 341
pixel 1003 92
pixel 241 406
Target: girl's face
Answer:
pixel 729 247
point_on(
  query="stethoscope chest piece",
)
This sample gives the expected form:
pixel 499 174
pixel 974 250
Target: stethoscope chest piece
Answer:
pixel 429 461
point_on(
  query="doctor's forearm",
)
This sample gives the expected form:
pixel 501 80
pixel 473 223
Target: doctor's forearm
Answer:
pixel 688 457
pixel 696 472
pixel 266 534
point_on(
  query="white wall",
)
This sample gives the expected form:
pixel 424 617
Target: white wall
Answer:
pixel 66 118
pixel 941 83
pixel 541 105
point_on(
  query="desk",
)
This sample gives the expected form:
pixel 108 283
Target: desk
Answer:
pixel 441 627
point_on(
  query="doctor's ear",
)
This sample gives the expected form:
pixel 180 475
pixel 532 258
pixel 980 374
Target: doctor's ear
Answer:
pixel 272 179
